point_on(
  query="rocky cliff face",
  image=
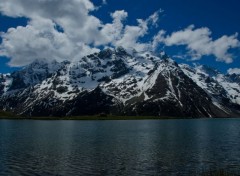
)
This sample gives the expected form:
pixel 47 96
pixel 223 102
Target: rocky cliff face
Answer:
pixel 119 83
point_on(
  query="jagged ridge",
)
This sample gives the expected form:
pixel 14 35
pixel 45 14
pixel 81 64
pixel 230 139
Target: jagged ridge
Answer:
pixel 116 82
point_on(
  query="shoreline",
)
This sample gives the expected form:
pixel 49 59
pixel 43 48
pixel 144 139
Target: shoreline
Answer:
pixel 93 118
pixel 107 118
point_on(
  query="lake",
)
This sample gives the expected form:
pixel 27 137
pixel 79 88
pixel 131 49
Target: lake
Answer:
pixel 140 147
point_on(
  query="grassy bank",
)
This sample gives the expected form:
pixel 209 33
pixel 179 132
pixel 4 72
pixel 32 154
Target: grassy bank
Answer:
pixel 9 115
pixel 96 117
pixel 4 114
pixel 218 173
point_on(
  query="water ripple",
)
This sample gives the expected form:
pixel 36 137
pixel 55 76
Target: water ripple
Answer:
pixel 172 147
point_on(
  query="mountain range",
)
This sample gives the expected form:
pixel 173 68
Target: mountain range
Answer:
pixel 117 82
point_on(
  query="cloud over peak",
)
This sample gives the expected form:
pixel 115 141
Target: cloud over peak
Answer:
pixel 234 71
pixel 83 33
pixel 199 42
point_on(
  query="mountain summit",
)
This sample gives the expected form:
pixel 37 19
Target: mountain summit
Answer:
pixel 116 82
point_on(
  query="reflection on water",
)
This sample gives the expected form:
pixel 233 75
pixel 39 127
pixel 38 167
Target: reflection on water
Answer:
pixel 146 147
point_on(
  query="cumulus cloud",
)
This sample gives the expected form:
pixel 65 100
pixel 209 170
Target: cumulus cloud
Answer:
pixel 112 32
pixel 131 35
pixel 118 34
pixel 62 29
pixel 73 16
pixel 158 39
pixel 200 43
pixel 233 71
pixel 81 33
pixel 40 40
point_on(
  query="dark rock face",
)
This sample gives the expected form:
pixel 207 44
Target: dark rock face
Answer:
pixel 119 69
pixel 234 77
pixel 115 82
pixel 92 103
pixel 189 99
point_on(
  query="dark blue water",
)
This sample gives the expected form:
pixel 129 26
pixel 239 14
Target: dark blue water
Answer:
pixel 145 147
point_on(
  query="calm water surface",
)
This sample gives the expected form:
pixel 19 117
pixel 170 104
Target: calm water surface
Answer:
pixel 145 147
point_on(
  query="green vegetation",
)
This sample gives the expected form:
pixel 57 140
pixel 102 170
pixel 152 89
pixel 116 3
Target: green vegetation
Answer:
pixel 218 173
pixel 5 115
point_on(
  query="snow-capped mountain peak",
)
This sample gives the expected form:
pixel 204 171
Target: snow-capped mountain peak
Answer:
pixel 117 82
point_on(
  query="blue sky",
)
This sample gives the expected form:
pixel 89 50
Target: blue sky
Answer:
pixel 219 17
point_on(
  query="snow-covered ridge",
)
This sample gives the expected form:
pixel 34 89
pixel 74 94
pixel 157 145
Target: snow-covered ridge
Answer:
pixel 118 73
pixel 213 82
pixel 118 78
pixel 5 82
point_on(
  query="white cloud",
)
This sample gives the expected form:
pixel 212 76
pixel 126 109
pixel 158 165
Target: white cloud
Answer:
pixel 82 33
pixel 80 30
pixel 40 40
pixel 154 17
pixel 233 71
pixel 131 36
pixel 159 38
pixel 118 34
pixel 199 43
pixel 73 16
pixel 111 32
pixel 119 15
